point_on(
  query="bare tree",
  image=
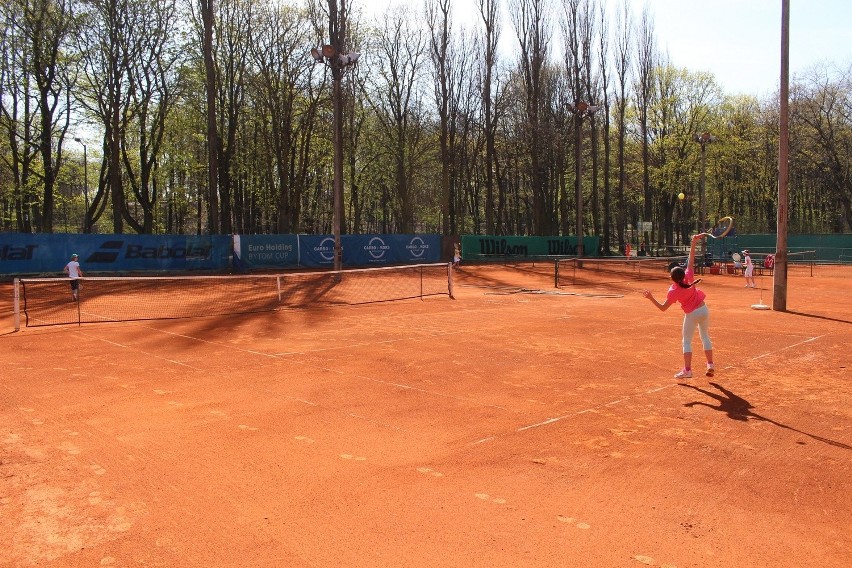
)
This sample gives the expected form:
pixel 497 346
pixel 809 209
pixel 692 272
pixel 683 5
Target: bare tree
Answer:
pixel 18 118
pixel 38 81
pixel 287 116
pixel 438 18
pixel 533 30
pixel 579 32
pixel 822 121
pixel 604 62
pixel 587 30
pixel 646 60
pixel 231 46
pixel 108 51
pixel 208 20
pixel 488 9
pixel 623 62
pixel 396 101
pixel 154 86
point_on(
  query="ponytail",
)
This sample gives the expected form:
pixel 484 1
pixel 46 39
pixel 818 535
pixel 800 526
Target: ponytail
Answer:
pixel 678 274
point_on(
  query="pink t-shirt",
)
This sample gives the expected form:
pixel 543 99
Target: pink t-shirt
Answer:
pixel 689 298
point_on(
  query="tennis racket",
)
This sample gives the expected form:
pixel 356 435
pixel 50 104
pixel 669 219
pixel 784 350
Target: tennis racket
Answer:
pixel 722 228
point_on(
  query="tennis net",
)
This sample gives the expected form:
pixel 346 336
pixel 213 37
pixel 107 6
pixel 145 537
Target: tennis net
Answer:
pixel 573 271
pixel 48 301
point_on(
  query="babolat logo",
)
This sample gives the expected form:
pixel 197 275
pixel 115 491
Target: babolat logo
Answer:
pixel 163 251
pixel 107 253
pixel 110 251
pixel 8 252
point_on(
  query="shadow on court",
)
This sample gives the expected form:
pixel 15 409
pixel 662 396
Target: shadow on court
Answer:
pixel 818 317
pixel 738 408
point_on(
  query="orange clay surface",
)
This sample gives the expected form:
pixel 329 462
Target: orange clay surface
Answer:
pixel 499 429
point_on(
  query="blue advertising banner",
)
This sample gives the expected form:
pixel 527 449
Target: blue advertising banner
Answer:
pixel 23 253
pixel 318 250
pixel 370 250
pixel 266 251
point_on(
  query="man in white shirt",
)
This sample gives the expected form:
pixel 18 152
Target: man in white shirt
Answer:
pixel 74 272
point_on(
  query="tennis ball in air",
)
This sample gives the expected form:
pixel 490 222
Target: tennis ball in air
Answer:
pixel 680 196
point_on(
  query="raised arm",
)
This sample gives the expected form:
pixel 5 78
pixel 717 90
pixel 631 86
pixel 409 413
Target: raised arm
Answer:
pixel 690 263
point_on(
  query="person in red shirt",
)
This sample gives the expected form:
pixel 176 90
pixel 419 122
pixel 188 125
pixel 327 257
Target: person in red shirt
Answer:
pixel 696 314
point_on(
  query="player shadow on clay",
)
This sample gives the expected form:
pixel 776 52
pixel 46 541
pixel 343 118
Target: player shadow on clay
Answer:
pixel 738 408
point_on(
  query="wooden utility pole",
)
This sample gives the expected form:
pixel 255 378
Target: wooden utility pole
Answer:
pixel 779 293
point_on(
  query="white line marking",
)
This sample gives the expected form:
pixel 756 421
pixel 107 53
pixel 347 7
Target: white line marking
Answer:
pixel 147 354
pixel 649 391
pixel 767 354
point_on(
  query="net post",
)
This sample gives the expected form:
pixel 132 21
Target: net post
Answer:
pixel 556 273
pixel 450 281
pixel 278 287
pixel 16 302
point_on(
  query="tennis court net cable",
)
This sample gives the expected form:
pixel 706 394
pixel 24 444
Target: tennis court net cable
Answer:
pixel 48 301
pixel 571 271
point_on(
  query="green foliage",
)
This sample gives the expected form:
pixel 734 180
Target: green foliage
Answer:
pixel 274 116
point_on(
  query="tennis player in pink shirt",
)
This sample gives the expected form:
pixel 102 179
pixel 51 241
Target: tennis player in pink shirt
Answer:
pixel 696 314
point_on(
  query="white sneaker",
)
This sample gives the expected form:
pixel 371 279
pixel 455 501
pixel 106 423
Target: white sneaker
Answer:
pixel 683 374
pixel 711 370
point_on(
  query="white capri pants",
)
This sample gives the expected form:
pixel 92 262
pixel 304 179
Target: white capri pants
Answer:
pixel 697 318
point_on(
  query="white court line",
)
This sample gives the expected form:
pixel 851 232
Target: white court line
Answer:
pixel 326 369
pixel 443 395
pixel 594 408
pixel 364 344
pixel 650 391
pixel 153 355
pixel 261 353
pixel 808 340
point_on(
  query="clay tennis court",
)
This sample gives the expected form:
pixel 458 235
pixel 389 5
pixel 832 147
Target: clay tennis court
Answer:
pixel 515 426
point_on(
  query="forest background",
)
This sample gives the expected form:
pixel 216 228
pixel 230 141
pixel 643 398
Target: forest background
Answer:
pixel 117 114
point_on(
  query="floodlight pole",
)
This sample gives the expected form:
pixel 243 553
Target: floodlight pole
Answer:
pixel 85 185
pixel 779 276
pixel 337 140
pixel 580 109
pixel 333 57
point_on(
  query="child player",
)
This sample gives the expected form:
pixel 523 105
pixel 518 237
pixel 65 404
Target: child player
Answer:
pixel 74 272
pixel 696 314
